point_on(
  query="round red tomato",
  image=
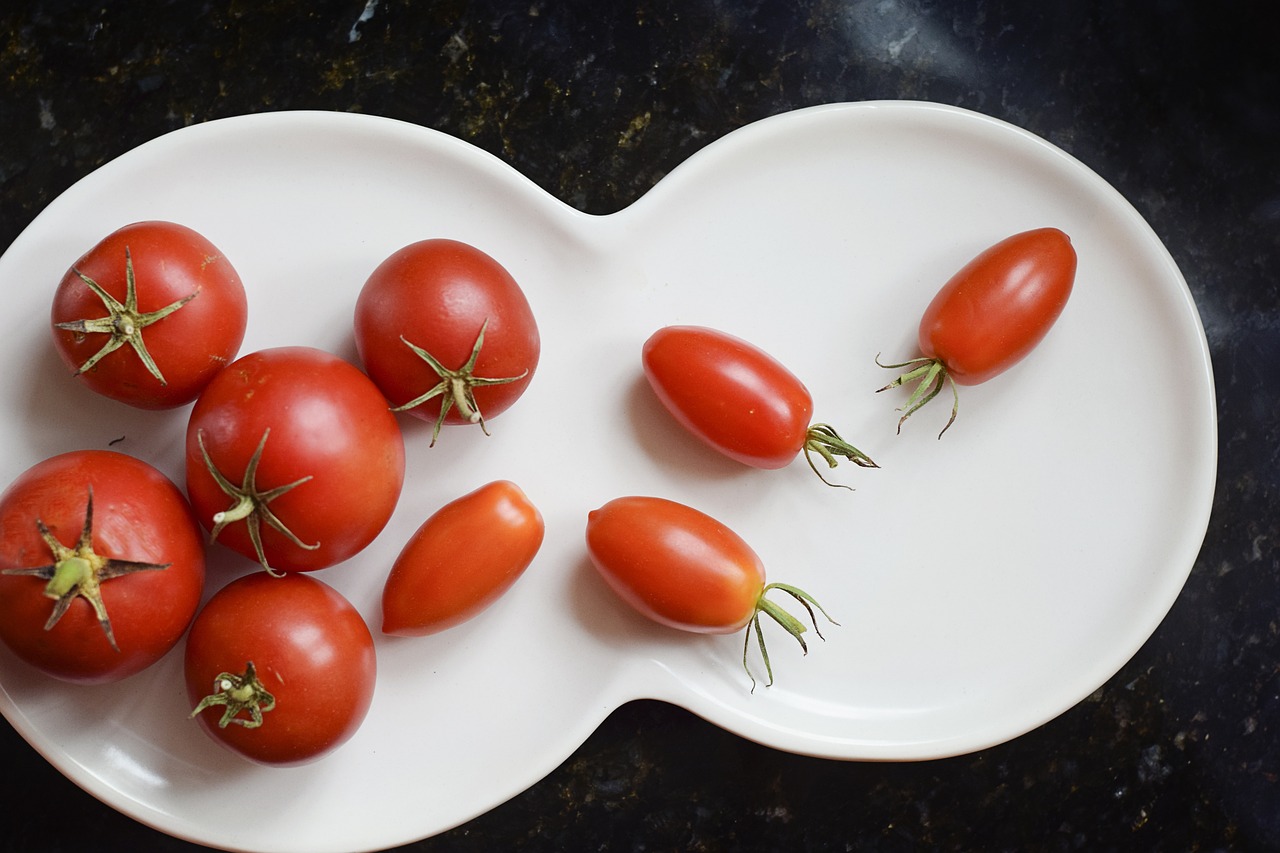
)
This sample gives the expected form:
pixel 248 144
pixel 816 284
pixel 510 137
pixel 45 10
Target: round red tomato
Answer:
pixel 446 333
pixel 990 315
pixel 461 560
pixel 101 566
pixel 280 669
pixel 738 399
pixel 149 315
pixel 293 459
pixel 682 568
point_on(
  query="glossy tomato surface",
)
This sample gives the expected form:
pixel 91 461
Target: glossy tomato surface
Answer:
pixel 140 522
pixel 329 458
pixel 675 564
pixel 311 653
pixel 1000 305
pixel 438 296
pixel 187 312
pixel 729 393
pixel 461 560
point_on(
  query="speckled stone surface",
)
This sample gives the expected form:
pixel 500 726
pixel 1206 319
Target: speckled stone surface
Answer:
pixel 1177 104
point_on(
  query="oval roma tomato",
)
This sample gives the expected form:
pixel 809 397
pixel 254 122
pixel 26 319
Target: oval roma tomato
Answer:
pixel 989 316
pixel 293 459
pixel 461 560
pixel 101 566
pixel 280 669
pixel 682 568
pixel 446 333
pixel 739 400
pixel 149 315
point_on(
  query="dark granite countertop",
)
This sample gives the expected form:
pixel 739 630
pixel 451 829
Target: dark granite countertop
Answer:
pixel 1176 104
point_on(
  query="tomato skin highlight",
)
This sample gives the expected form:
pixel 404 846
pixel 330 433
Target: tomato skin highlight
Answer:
pixel 310 648
pixel 1000 305
pixel 327 422
pixel 138 515
pixel 730 394
pixel 461 560
pixel 189 346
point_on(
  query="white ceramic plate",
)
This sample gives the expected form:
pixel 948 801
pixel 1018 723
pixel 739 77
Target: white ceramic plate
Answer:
pixel 984 583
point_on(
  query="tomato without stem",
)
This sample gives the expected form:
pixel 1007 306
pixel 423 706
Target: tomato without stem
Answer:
pixel 990 315
pixel 461 560
pixel 293 459
pixel 446 333
pixel 280 670
pixel 101 566
pixel 682 568
pixel 149 315
pixel 739 400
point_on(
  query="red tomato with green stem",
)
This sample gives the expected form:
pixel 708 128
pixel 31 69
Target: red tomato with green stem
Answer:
pixel 989 316
pixel 280 669
pixel 682 568
pixel 101 566
pixel 461 560
pixel 293 459
pixel 446 333
pixel 149 315
pixel 740 400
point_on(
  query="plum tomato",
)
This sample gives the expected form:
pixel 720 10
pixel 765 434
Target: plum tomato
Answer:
pixel 739 400
pixel 989 316
pixel 440 320
pixel 682 568
pixel 461 560
pixel 280 669
pixel 149 315
pixel 102 566
pixel 293 459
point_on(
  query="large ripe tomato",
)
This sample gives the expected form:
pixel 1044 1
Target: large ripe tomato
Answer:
pixel 684 569
pixel 446 333
pixel 102 566
pixel 461 560
pixel 738 399
pixel 280 670
pixel 149 315
pixel 990 315
pixel 293 459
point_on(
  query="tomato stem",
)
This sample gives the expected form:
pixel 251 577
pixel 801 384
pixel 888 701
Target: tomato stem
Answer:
pixel 237 693
pixel 823 440
pixel 930 376
pixel 789 623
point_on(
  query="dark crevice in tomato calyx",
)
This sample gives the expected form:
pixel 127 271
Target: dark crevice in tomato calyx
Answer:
pixel 238 693
pixel 79 572
pixel 249 503
pixel 790 624
pixel 930 376
pixel 823 440
pixel 124 322
pixel 455 387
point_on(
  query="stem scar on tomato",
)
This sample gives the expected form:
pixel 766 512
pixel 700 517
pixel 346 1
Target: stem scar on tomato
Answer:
pixel 249 504
pixel 124 322
pixel 236 693
pixel 80 572
pixel 930 376
pixel 823 440
pixel 456 386
pixel 791 624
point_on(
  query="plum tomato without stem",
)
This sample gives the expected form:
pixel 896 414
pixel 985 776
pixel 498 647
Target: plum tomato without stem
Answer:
pixel 989 316
pixel 149 315
pixel 446 333
pixel 739 400
pixel 461 560
pixel 682 568
pixel 280 669
pixel 293 459
pixel 102 566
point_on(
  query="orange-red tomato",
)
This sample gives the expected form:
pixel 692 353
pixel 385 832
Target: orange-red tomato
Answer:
pixel 461 560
